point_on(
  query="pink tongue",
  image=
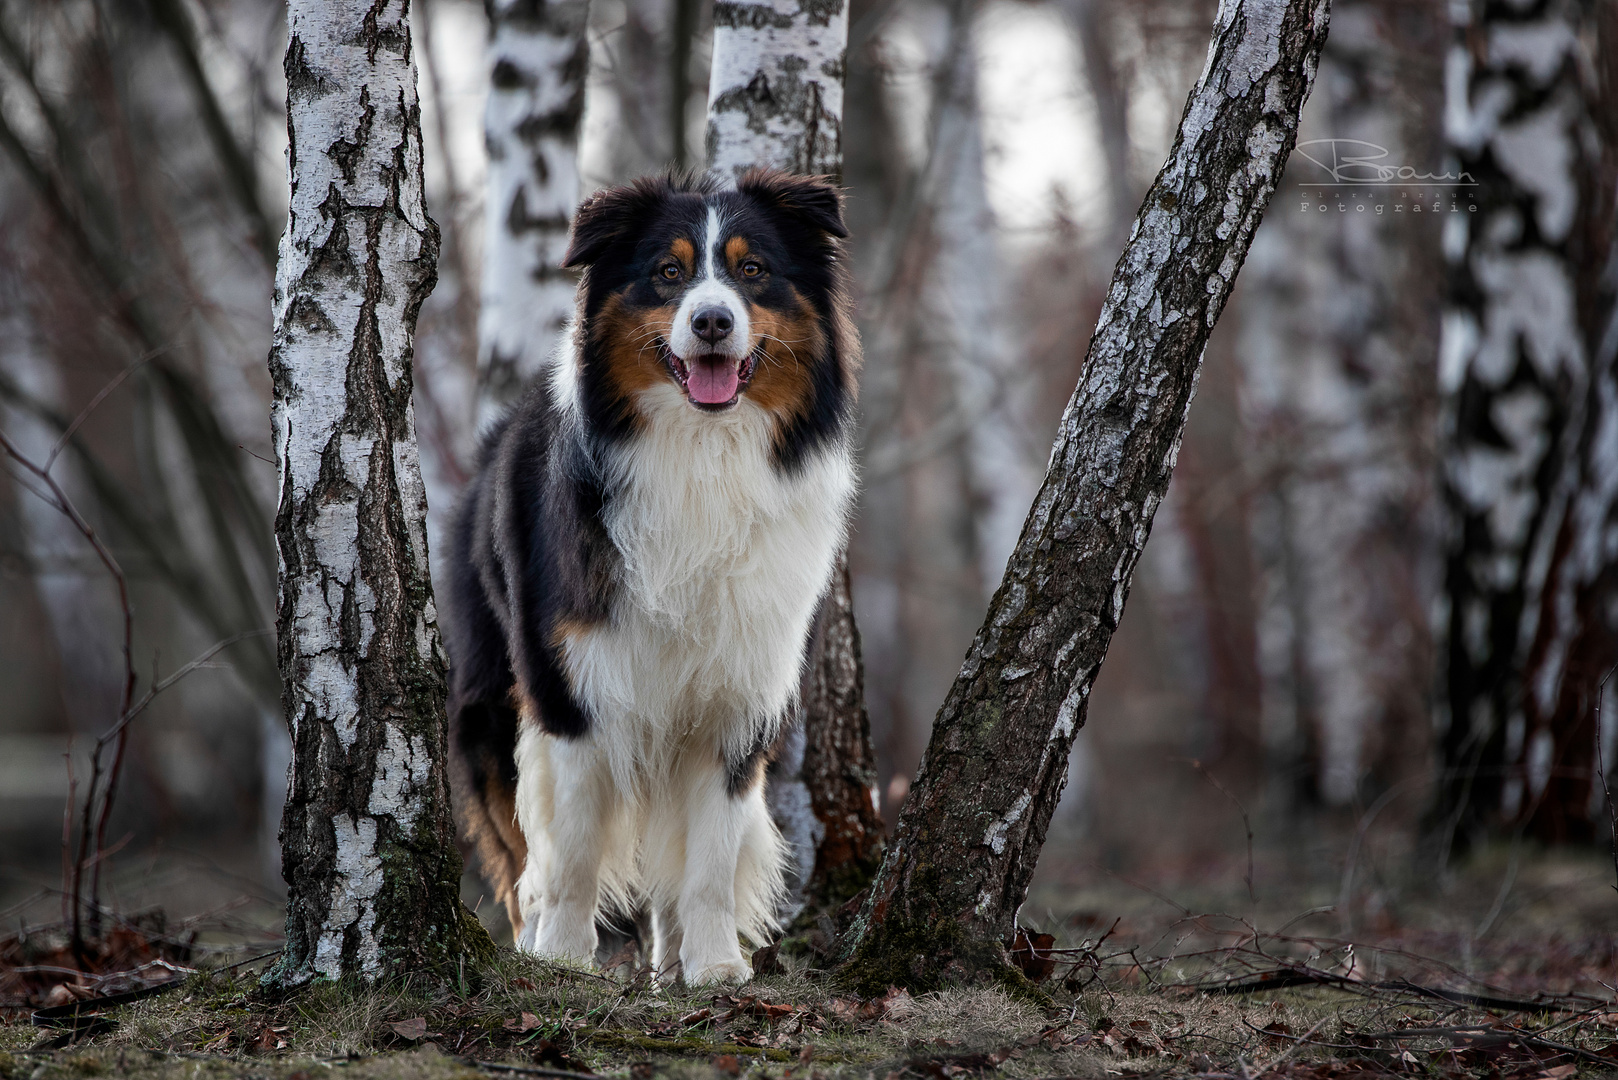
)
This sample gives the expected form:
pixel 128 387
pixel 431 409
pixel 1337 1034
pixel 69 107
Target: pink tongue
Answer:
pixel 712 382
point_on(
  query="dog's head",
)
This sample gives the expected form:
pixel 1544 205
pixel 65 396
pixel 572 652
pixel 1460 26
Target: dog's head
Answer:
pixel 726 295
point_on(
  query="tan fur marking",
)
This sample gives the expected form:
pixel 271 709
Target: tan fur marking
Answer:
pixel 686 254
pixel 791 341
pixel 735 251
pixel 489 815
pixel 752 781
pixel 567 629
pixel 628 340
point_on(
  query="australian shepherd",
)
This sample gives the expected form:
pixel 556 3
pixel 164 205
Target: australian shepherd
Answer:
pixel 636 564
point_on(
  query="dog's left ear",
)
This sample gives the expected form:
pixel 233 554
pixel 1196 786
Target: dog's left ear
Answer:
pixel 814 200
pixel 607 217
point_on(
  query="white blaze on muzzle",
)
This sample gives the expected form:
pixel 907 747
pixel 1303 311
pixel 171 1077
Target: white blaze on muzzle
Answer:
pixel 714 364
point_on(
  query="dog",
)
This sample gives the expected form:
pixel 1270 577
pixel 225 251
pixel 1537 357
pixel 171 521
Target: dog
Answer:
pixel 636 564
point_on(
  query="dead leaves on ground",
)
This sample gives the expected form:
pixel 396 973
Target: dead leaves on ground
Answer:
pixel 761 1023
pixel 41 967
pixel 462 1031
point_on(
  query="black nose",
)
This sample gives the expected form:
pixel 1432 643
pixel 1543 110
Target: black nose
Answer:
pixel 711 324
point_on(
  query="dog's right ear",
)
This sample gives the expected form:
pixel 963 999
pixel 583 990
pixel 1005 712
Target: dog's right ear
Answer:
pixel 605 218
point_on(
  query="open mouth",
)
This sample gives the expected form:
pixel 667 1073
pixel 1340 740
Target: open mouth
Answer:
pixel 711 381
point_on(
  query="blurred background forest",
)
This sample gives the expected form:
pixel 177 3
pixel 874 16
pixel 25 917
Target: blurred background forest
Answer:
pixel 1277 717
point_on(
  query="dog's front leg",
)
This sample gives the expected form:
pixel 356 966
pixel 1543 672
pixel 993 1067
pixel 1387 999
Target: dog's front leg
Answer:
pixel 715 826
pixel 569 879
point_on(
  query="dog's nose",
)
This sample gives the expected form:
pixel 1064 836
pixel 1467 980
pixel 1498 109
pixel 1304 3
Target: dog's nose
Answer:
pixel 711 324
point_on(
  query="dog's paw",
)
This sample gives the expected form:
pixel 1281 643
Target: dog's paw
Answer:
pixel 724 971
pixel 528 936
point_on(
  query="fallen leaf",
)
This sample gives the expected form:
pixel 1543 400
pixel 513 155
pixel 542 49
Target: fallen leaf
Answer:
pixel 1561 1072
pixel 728 1064
pixel 520 983
pixel 696 1017
pixel 65 994
pixel 641 1070
pixel 1141 1025
pixel 755 1006
pixel 414 1029
pixel 767 961
pixel 895 1000
pixel 1031 953
pixel 526 1022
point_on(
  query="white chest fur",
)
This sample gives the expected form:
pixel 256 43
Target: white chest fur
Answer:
pixel 724 560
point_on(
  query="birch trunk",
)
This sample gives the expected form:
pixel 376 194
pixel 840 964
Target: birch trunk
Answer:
pixel 538 58
pixel 775 90
pixel 1525 373
pixel 958 869
pixel 1336 311
pixel 368 841
pixel 775 98
pixel 1576 644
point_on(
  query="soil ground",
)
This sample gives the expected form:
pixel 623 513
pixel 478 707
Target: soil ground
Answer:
pixel 1505 970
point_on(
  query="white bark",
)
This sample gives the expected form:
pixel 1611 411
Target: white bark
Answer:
pixel 1515 372
pixel 367 836
pixel 538 58
pixel 775 91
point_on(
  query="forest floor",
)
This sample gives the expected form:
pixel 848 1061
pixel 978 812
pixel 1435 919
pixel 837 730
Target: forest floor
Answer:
pixel 1505 973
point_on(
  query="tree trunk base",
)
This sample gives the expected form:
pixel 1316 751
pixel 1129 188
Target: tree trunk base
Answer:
pixel 924 957
pixel 461 963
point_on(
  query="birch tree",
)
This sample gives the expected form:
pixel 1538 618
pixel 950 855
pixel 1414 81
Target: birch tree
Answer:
pixel 367 835
pixel 958 868
pixel 775 98
pixel 1528 421
pixel 538 59
pixel 1336 337
pixel 775 90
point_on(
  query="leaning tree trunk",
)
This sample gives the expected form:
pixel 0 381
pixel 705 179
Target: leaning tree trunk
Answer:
pixel 958 868
pixel 1527 382
pixel 538 59
pixel 775 98
pixel 368 841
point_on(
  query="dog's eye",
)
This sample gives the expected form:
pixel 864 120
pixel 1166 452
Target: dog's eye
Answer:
pixel 670 272
pixel 751 269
